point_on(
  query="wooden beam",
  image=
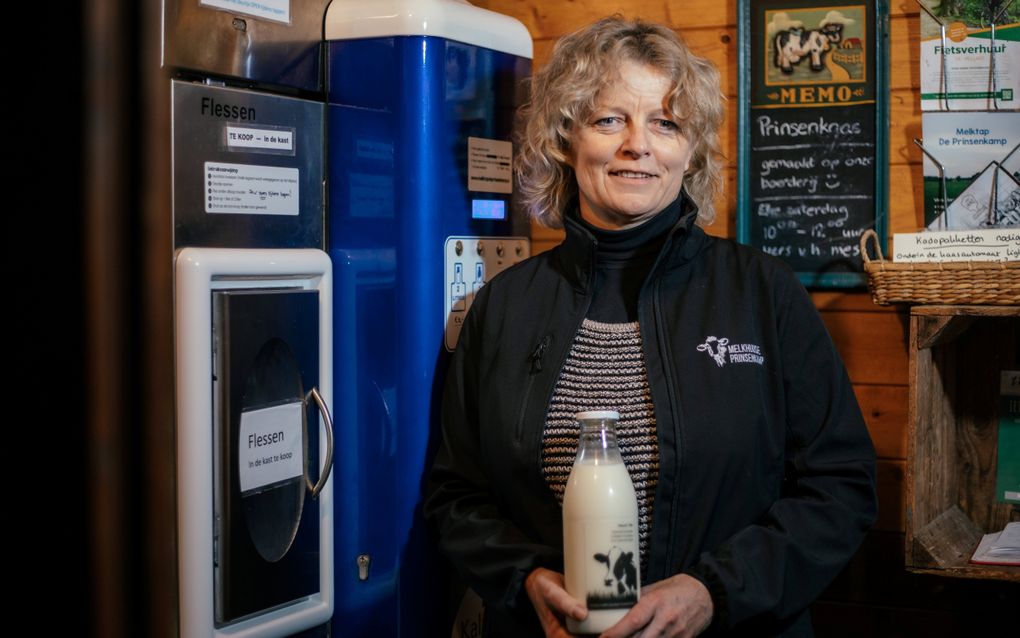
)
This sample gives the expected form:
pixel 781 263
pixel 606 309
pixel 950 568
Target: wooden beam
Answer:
pixel 935 330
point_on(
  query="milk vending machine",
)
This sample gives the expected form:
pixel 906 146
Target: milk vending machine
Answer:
pixel 253 317
pixel 421 99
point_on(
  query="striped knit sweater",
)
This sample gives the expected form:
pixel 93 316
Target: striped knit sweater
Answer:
pixel 605 370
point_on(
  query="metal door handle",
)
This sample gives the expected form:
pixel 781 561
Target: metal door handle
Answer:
pixel 324 476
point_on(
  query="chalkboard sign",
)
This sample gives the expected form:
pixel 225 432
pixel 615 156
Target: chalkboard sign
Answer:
pixel 813 167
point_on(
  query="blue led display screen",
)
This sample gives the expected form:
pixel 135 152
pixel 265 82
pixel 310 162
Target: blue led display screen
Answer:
pixel 488 209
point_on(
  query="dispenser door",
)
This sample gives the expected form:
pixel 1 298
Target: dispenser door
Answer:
pixel 254 377
pixel 266 362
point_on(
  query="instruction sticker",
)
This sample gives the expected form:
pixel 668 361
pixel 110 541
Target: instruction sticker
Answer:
pixel 269 446
pixel 490 165
pixel 260 138
pixel 276 10
pixel 249 189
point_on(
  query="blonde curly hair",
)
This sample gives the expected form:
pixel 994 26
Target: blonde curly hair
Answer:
pixel 565 91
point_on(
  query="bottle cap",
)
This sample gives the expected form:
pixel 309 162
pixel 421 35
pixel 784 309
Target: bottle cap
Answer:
pixel 597 414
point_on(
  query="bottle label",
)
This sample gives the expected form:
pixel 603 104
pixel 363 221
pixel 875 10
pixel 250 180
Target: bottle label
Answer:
pixel 611 564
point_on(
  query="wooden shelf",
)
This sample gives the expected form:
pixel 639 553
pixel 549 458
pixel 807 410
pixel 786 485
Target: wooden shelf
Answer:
pixel 956 355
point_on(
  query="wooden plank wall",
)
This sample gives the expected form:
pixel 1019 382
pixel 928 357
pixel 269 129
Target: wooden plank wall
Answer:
pixel 874 596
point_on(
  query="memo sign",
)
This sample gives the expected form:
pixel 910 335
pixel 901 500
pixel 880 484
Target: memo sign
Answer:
pixel 813 123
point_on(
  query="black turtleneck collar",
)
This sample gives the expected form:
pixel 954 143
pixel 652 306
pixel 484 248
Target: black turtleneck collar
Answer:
pixel 617 248
pixel 617 262
pixel 577 254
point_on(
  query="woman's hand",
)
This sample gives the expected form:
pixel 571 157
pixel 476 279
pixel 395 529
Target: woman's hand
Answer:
pixel 552 602
pixel 678 607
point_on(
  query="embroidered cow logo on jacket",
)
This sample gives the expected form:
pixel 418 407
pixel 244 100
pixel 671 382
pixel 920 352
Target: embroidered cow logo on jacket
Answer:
pixel 723 352
pixel 716 348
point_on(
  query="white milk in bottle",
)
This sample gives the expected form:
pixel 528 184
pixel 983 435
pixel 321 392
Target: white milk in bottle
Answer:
pixel 601 558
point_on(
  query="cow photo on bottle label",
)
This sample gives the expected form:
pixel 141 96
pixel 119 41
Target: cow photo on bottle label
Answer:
pixel 612 564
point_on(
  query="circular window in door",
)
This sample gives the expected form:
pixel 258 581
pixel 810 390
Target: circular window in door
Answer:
pixel 271 450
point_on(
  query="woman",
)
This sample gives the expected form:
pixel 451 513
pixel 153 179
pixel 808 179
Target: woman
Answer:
pixel 739 427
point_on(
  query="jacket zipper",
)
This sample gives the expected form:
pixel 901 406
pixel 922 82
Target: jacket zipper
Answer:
pixel 536 360
pixel 535 367
pixel 667 361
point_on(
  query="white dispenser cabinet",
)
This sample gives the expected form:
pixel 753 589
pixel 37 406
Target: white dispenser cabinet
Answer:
pixel 254 440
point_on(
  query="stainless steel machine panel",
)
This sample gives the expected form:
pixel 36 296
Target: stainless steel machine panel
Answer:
pixel 248 168
pixel 268 42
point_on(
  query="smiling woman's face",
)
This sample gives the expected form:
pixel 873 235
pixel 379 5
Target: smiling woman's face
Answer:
pixel 629 156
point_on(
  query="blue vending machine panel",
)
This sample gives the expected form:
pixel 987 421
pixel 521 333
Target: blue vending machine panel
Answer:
pixel 405 114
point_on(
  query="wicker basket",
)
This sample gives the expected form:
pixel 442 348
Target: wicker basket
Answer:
pixel 966 283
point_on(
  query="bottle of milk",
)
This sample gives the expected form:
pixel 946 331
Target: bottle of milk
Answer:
pixel 600 527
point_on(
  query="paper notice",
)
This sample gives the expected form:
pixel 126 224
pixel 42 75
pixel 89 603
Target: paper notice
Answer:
pixel 490 165
pixel 992 244
pixel 250 189
pixel 269 446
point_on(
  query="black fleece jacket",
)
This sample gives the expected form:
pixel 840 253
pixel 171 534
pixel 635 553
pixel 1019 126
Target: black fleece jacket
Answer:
pixel 767 472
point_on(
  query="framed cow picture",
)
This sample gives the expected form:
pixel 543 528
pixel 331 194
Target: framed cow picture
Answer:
pixel 813 126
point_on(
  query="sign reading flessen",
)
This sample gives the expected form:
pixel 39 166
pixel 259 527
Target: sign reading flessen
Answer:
pixel 269 446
